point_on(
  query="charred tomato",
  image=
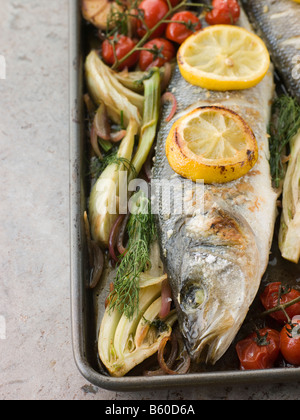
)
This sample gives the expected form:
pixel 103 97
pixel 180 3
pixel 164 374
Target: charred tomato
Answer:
pixel 259 350
pixel 277 294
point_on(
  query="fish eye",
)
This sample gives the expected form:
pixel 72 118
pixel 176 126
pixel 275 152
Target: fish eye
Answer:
pixel 192 296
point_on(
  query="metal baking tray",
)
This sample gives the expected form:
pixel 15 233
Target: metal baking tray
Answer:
pixel 83 308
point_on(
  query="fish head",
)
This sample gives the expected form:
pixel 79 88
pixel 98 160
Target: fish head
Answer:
pixel 219 280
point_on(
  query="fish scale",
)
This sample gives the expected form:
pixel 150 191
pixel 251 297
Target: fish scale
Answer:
pixel 216 249
pixel 278 22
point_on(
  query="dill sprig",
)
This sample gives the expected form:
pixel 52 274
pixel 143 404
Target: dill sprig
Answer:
pixel 99 165
pixel 285 125
pixel 118 21
pixel 141 233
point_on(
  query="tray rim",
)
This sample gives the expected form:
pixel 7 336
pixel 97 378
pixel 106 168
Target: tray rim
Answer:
pixel 77 290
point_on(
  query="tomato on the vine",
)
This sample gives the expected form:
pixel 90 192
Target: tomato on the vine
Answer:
pixel 259 350
pixel 179 32
pixel 157 52
pixel 153 12
pixel 270 299
pixel 290 342
pixel 225 12
pixel 123 46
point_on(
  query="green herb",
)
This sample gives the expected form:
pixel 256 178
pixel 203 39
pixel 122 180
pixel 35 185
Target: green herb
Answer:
pixel 141 233
pixel 120 20
pixel 105 145
pixel 285 125
pixel 160 325
pixel 146 76
pixel 99 165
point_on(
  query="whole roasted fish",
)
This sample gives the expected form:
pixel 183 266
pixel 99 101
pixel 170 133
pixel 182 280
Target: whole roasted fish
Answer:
pixel 278 22
pixel 215 247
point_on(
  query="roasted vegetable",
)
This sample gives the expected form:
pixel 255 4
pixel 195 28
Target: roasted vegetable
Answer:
pixel 285 140
pixel 104 87
pixel 141 234
pixel 98 12
pixel 289 238
pixel 104 199
pixel 150 120
pixel 125 343
pixel 133 80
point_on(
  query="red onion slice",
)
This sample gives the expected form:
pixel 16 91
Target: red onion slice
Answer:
pixel 118 136
pixel 182 369
pixel 166 297
pixel 169 97
pixel 161 360
pixel 113 237
pixel 171 360
pixel 120 240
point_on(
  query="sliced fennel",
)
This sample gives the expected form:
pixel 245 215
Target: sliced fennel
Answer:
pixel 104 86
pixel 104 198
pixel 289 237
pixel 150 120
pixel 133 80
pixel 125 343
pixel 147 280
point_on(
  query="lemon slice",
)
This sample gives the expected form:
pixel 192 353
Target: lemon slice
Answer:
pixel 224 57
pixel 211 144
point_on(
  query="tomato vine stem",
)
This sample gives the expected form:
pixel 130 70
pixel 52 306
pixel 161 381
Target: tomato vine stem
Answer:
pixel 151 31
pixel 280 307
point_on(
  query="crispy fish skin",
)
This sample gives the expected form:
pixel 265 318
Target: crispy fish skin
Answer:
pixel 215 254
pixel 278 22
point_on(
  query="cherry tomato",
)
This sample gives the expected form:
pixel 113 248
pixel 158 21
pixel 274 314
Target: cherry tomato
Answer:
pixel 154 11
pixel 178 32
pixel 290 342
pixel 269 299
pixel 226 12
pixel 163 51
pixel 123 46
pixel 260 350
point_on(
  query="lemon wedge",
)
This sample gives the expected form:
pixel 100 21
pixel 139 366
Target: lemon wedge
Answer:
pixel 211 144
pixel 224 57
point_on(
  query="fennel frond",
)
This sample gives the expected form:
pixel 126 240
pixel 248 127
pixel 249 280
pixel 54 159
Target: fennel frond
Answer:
pixel 284 127
pixel 285 135
pixel 141 233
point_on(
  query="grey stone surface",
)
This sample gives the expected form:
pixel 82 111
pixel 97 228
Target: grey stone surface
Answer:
pixel 36 359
